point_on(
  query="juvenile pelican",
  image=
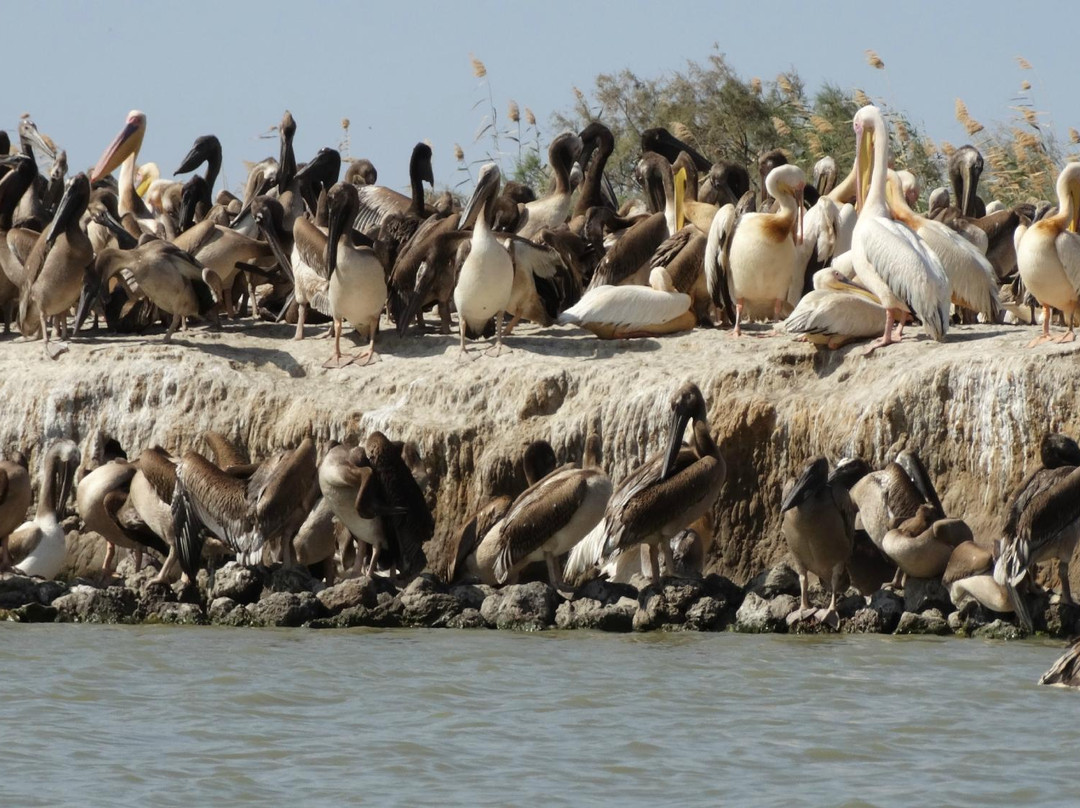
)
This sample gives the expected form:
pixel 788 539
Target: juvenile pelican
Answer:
pixel 757 262
pixel 40 543
pixel 889 259
pixel 1048 256
pixel 486 279
pixel 15 498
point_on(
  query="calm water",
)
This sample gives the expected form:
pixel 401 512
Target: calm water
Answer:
pixel 166 716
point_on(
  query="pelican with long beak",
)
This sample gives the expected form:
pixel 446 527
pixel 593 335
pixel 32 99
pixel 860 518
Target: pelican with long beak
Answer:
pixel 39 544
pixel 965 168
pixel 836 312
pixel 670 491
pixel 753 257
pixel 486 279
pixel 1048 257
pixel 124 152
pixel 889 259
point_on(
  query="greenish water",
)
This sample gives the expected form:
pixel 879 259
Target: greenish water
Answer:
pixel 167 716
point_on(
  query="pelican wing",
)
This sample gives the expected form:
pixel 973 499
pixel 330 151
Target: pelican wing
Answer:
pixel 586 556
pixel 967 559
pixel 626 306
pixel 1066 671
pixel 631 252
pixel 971 277
pixel 910 270
pixel 160 472
pixel 24 539
pixel 1068 249
pixel 452 554
pixel 717 250
pixel 1050 514
pixel 537 515
pixel 21 242
pixel 310 242
pixel 210 498
pixel 834 314
pixel 378 203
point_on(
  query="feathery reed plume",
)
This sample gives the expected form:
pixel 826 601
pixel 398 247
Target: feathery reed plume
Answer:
pixel 947 148
pixel 530 119
pixel 1025 85
pixel 1074 136
pixel 1024 63
pixel 961 111
pixel 478 68
pixel 815 144
pixel 755 85
pixel 874 60
pixel 821 125
pixel 513 113
pixel 781 128
pixel 929 148
pixel 784 83
pixel 861 98
pixel 903 134
pixel 682 132
pixel 1031 116
pixel 343 147
pixel 972 126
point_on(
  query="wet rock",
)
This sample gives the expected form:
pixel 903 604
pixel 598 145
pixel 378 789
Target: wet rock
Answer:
pixel 383 615
pixel 35 613
pixel 348 594
pixel 863 621
pixel 929 622
pixel 521 607
pixel 471 596
pixel 467 618
pixel 708 614
pixel 295 579
pixel 759 616
pixel 607 592
pixel 1058 619
pixel 48 591
pixel 780 580
pixel 724 590
pixel 999 630
pixel 220 608
pixel 86 604
pixel 921 594
pixel 17 590
pixel 425 602
pixel 666 604
pixel 590 613
pixel 240 583
pixel 889 607
pixel 184 614
pixel 286 609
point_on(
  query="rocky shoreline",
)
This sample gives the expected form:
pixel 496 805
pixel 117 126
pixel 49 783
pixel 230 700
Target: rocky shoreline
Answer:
pixel 255 596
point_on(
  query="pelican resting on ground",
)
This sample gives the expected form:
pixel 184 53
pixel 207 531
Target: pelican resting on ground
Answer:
pixel 889 259
pixel 38 545
pixel 838 311
pixel 1048 257
pixel 922 545
pixel 623 312
pixel 819 527
pixel 969 576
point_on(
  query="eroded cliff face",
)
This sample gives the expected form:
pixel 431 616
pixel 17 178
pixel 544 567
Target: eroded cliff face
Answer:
pixel 974 407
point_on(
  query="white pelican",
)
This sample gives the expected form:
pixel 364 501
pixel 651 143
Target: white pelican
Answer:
pixel 620 312
pixel 758 264
pixel 889 259
pixel 486 279
pixel 971 276
pixel 1048 256
pixel 836 312
pixel 124 152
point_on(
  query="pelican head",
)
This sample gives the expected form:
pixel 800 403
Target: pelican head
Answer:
pixel 420 163
pixel 206 149
pixel 72 205
pixel 686 405
pixel 322 170
pixel 911 187
pixel 866 124
pixel 1068 189
pixel 965 168
pixel 487 185
pixel 771 159
pixel 287 161
pixel 361 172
pixel 29 134
pixel 342 203
pixel 813 478
pixel 833 280
pixel 145 176
pixel 849 471
pixel 1057 450
pixel 825 175
pixel 939 198
pixel 789 180
pixel 128 142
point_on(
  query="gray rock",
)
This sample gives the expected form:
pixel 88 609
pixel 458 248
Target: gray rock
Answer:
pixel 286 609
pixel 726 591
pixel 1058 619
pixel 34 612
pixel 17 590
pixel 186 614
pixel 295 579
pixel 386 615
pixel 467 618
pixel 220 608
pixel 667 604
pixel 425 602
pixel 889 607
pixel 864 621
pixel 590 613
pixel 48 591
pixel 780 580
pixel 708 614
pixel 349 593
pixel 471 596
pixel 86 604
pixel 921 594
pixel 759 616
pixel 929 622
pixel 242 584
pixel 521 607
pixel 999 630
pixel 607 592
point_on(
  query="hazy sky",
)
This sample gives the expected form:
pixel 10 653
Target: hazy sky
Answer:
pixel 401 73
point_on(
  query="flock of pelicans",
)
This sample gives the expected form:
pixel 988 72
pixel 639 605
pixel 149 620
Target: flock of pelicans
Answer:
pixel 855 262
pixel 835 261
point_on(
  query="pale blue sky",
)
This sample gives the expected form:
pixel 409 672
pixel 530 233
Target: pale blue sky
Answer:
pixel 400 72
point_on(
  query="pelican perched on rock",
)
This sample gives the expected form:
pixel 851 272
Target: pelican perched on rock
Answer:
pixel 969 576
pixel 669 491
pixel 819 527
pixel 547 520
pixel 244 513
pixel 486 278
pixel 889 259
pixel 39 544
pixel 753 257
pixel 836 312
pixel 552 209
pixel 1048 256
pixel 921 545
pixel 15 498
pixel 622 312
pixel 55 267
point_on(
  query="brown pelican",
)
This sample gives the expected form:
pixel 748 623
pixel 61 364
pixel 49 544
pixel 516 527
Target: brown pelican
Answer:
pixel 623 312
pixel 206 149
pixel 244 513
pixel 670 490
pixel 38 545
pixel 1043 521
pixel 662 142
pixel 753 256
pixel 547 520
pixel 55 267
pixel 361 172
pixel 357 288
pixel 767 161
pixel 1048 256
pixel 965 168
pixel 889 259
pixel 972 281
pixel 171 278
pixel 376 203
pixel 486 279
pixel 819 527
pixel 836 312
pixel 409 517
pixel 597 145
pixel 1065 672
pixel 552 209
pixel 969 576
pixel 15 498
pixel 921 545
